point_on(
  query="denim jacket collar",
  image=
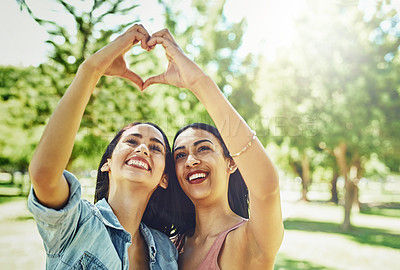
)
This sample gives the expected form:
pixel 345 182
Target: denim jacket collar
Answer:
pixel 110 220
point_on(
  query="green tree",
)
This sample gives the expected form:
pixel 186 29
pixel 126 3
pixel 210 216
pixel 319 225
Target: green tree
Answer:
pixel 24 113
pixel 212 41
pixel 70 46
pixel 338 71
pixel 116 102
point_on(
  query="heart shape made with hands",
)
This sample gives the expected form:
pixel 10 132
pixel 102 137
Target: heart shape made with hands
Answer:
pixel 181 72
pixel 137 79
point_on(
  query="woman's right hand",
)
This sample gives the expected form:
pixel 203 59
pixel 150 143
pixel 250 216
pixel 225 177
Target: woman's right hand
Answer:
pixel 110 60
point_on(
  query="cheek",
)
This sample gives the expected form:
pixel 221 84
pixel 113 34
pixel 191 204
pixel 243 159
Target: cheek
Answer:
pixel 160 163
pixel 178 170
pixel 120 150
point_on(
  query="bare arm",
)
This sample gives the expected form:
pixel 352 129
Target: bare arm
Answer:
pixel 55 147
pixel 265 227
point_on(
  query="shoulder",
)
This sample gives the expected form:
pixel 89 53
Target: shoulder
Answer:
pixel 163 244
pixel 160 237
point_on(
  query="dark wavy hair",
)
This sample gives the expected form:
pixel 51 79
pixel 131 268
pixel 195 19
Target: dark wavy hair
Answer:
pixel 184 217
pixel 156 214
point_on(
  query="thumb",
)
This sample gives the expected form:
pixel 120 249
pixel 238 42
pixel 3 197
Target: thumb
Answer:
pixel 133 77
pixel 155 79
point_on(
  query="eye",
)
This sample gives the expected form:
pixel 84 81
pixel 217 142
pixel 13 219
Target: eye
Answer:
pixel 132 142
pixel 203 148
pixel 155 148
pixel 179 155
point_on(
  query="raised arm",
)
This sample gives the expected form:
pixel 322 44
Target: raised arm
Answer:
pixel 265 227
pixel 55 147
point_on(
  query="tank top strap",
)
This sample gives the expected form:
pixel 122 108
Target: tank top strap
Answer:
pixel 211 259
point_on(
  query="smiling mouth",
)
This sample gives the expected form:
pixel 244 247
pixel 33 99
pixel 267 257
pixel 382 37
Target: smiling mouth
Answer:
pixel 196 178
pixel 138 164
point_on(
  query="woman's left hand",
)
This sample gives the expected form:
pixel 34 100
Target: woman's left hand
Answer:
pixel 182 71
pixel 110 60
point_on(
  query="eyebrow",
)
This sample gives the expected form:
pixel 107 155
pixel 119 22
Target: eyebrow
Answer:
pixel 138 135
pixel 195 143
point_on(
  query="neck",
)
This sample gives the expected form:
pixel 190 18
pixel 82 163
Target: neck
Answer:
pixel 128 205
pixel 212 219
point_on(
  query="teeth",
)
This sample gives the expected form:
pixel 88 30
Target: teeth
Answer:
pixel 196 176
pixel 138 163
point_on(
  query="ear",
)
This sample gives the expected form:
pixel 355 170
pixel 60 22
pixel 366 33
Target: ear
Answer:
pixel 105 167
pixel 164 181
pixel 232 167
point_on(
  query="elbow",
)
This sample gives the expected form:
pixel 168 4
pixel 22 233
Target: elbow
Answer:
pixel 269 190
pixel 36 173
pixel 41 176
pixel 272 186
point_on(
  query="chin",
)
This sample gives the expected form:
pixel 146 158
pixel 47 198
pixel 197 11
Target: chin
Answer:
pixel 196 195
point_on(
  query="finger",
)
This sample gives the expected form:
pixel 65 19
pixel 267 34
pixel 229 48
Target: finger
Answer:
pixel 165 33
pixel 129 39
pixel 133 77
pixel 150 48
pixel 142 38
pixel 139 28
pixel 154 40
pixel 163 37
pixel 153 80
pixel 145 36
pixel 140 34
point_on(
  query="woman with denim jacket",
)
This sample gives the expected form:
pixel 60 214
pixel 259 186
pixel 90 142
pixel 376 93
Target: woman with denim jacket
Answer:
pixel 119 231
pixel 220 235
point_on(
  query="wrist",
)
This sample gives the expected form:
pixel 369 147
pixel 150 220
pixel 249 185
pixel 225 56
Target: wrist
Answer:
pixel 204 87
pixel 201 84
pixel 89 70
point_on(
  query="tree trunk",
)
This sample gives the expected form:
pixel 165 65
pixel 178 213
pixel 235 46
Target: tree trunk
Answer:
pixel 334 193
pixel 306 179
pixel 355 176
pixel 348 204
pixel 340 155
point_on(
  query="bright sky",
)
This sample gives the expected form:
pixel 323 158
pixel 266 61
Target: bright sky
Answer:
pixel 269 26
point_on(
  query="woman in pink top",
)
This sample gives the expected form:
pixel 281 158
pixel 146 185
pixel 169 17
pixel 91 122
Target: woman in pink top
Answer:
pixel 220 234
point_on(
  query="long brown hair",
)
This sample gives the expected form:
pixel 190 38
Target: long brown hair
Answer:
pixel 184 216
pixel 156 213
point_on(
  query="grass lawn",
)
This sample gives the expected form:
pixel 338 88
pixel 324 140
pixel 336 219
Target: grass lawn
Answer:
pixel 314 239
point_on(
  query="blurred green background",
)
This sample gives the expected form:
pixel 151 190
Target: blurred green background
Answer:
pixel 318 80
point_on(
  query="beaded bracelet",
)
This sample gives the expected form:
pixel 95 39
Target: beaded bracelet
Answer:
pixel 246 146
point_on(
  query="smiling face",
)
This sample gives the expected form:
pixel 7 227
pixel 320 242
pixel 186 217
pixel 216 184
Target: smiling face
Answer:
pixel 200 165
pixel 139 156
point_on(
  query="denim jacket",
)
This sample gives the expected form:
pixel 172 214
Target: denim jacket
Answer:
pixel 86 236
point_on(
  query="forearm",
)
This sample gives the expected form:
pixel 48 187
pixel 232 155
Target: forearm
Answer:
pixel 254 164
pixel 55 147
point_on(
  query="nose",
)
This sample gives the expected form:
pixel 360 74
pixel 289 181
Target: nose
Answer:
pixel 191 161
pixel 142 148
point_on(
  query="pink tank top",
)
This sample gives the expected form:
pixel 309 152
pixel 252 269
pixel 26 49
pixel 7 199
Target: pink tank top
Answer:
pixel 210 262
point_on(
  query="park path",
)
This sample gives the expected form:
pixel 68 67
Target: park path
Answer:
pixel 21 247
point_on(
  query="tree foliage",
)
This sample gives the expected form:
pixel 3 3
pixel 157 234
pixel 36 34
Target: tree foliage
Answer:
pixel 26 100
pixel 340 71
pixel 205 34
pixel 116 102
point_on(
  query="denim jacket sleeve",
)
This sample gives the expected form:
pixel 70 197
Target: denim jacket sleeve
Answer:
pixel 57 227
